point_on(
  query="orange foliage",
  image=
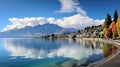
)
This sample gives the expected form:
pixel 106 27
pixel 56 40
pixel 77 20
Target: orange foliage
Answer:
pixel 113 48
pixel 109 33
pixel 113 27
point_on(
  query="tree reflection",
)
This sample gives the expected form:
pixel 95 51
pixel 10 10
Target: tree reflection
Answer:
pixel 80 50
pixel 108 49
pixel 93 44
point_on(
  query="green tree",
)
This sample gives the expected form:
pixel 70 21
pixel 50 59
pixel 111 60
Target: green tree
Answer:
pixel 115 16
pixel 106 24
pixel 79 31
pixel 53 35
pixel 107 21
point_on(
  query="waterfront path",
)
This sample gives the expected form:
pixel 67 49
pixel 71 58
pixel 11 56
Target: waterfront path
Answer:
pixel 111 61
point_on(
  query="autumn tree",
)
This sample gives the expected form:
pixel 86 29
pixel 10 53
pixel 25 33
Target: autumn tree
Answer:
pixel 108 33
pixel 118 25
pixel 113 28
pixel 106 23
pixel 115 16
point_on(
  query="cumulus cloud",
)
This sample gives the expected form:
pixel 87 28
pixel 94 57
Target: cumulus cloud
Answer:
pixel 76 21
pixel 68 6
pixel 21 23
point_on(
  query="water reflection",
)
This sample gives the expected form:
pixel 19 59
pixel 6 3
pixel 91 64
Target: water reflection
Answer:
pixel 71 51
pixel 108 49
pixel 84 51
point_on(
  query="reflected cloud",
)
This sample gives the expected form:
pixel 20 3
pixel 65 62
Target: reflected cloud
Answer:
pixel 76 52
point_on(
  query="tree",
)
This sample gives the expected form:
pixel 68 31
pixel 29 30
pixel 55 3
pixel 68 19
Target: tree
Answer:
pixel 115 16
pixel 113 27
pixel 118 25
pixel 93 26
pixel 104 30
pixel 107 21
pixel 109 33
pixel 53 35
pixel 79 31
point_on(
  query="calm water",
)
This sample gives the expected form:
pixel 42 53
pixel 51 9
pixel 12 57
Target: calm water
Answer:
pixel 20 52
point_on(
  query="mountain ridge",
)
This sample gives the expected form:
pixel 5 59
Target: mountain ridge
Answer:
pixel 39 29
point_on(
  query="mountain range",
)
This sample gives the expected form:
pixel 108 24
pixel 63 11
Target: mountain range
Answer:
pixel 44 29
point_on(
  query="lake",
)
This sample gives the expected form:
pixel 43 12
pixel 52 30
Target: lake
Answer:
pixel 31 52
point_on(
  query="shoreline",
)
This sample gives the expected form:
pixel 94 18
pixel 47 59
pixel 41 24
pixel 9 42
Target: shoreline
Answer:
pixel 112 58
pixel 110 61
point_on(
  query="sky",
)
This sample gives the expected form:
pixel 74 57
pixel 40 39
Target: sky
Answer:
pixel 16 14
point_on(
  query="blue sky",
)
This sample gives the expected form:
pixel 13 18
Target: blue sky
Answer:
pixel 20 9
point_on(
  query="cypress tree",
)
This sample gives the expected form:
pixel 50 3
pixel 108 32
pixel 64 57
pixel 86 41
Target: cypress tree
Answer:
pixel 107 22
pixel 115 16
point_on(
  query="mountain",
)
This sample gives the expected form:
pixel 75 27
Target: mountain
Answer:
pixel 36 30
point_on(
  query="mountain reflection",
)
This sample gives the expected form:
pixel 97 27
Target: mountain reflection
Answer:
pixel 39 49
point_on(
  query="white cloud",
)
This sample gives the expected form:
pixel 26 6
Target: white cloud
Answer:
pixel 68 6
pixel 76 21
pixel 17 23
